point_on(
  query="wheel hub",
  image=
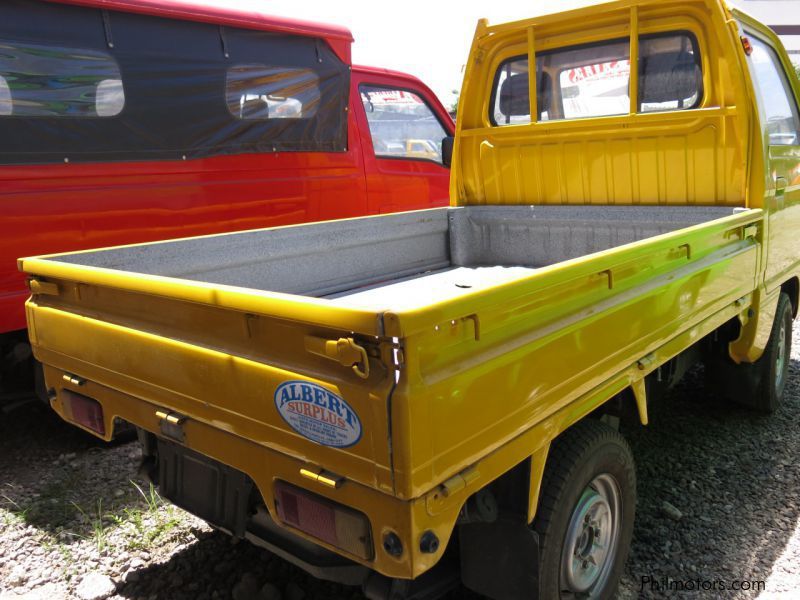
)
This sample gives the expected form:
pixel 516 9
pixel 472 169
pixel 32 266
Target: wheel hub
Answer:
pixel 780 359
pixel 591 539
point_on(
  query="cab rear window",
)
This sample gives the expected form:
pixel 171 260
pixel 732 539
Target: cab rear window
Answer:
pixel 594 80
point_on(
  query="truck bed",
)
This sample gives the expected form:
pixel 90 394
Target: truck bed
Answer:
pixel 403 261
pixel 497 318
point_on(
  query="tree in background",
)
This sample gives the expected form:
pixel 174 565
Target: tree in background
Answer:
pixel 453 107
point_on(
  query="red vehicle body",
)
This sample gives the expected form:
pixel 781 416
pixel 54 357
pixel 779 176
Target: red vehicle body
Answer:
pixel 71 205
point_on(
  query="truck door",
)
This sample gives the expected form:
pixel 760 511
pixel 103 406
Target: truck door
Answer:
pixel 781 129
pixel 402 141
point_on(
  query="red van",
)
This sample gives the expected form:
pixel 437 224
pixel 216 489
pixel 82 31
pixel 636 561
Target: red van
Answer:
pixel 126 121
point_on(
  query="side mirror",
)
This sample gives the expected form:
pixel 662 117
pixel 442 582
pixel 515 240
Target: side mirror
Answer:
pixel 447 150
pixel 788 138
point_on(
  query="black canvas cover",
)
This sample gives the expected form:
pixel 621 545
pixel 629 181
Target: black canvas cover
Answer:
pixel 85 84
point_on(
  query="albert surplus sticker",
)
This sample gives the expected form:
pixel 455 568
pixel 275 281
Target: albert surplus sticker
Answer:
pixel 318 414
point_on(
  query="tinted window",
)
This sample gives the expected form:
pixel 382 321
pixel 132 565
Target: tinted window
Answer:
pixel 402 125
pixel 594 81
pixel 269 92
pixel 50 81
pixel 777 99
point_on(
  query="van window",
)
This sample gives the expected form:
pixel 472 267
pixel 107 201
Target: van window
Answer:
pixel 402 125
pixel 594 81
pixel 268 92
pixel 168 89
pixel 5 97
pixel 777 98
pixel 48 81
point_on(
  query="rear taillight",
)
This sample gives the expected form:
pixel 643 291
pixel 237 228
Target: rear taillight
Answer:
pixel 84 411
pixel 324 519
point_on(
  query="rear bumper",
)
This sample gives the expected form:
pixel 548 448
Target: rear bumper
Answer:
pixel 265 466
pixel 223 496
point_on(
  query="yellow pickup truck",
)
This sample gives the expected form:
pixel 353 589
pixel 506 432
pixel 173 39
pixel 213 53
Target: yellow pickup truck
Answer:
pixel 414 400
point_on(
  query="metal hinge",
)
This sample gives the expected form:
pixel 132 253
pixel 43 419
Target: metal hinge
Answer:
pixel 326 478
pixel 43 287
pixel 171 425
pixel 459 481
pixel 345 351
pixel 646 362
pixel 73 379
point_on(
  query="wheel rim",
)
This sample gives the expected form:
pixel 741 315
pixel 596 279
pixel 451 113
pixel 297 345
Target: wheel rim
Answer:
pixel 780 359
pixel 590 545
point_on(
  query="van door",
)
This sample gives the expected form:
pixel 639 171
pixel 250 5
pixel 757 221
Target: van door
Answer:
pixel 402 136
pixel 780 120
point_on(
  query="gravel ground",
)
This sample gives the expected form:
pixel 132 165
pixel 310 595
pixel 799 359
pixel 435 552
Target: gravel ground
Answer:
pixel 719 502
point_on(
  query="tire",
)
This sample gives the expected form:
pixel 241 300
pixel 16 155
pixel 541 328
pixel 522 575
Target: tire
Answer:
pixel 759 385
pixel 590 474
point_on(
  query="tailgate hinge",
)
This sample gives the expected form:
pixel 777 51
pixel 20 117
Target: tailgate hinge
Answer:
pixel 43 287
pixel 171 425
pixel 459 481
pixel 73 379
pixel 326 478
pixel 345 351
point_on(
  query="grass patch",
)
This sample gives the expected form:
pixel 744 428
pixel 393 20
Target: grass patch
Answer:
pixel 63 520
pixel 152 522
pixel 96 523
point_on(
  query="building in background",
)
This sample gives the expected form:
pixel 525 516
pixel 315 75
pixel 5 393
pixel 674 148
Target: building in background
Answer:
pixel 783 16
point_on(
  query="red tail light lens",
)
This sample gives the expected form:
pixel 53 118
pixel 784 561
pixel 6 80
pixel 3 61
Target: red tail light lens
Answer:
pixel 84 411
pixel 324 519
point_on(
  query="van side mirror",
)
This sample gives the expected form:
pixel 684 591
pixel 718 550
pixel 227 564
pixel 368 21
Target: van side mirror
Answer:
pixel 447 150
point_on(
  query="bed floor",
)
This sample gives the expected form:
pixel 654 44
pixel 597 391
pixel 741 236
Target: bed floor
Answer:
pixel 417 291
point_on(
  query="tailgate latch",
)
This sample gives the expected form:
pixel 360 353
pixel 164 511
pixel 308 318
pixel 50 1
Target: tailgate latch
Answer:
pixel 345 351
pixel 171 425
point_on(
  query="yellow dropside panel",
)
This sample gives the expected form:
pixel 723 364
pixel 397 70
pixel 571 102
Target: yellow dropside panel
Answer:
pixel 474 383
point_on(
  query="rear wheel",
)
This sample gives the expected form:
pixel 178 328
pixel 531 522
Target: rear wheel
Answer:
pixel 586 511
pixel 760 385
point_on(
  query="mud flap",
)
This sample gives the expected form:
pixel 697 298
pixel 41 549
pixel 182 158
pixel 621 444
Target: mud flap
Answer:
pixel 206 488
pixel 501 559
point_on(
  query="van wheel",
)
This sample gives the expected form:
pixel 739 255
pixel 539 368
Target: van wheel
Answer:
pixel 759 385
pixel 586 511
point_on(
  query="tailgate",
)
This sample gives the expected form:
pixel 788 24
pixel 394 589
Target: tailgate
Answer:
pixel 285 372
